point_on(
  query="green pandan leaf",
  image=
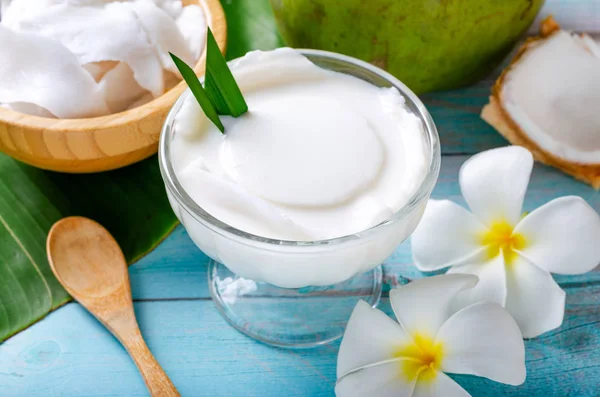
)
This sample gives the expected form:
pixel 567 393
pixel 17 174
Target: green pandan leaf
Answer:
pixel 220 85
pixel 201 96
pixel 221 95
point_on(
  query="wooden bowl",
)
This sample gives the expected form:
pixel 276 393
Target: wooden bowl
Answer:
pixel 99 143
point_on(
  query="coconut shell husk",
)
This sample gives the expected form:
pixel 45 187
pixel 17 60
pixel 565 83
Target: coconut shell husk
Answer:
pixel 495 115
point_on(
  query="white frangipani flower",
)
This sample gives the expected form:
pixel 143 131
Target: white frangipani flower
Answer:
pixel 382 358
pixel 511 254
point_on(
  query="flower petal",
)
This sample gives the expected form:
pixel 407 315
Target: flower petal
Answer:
pixel 494 183
pixel 447 235
pixel 534 299
pixel 491 286
pixel 371 336
pixel 484 340
pixel 562 236
pixel 383 380
pixel 441 386
pixel 424 305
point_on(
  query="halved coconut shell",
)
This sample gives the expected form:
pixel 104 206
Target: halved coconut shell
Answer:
pixel 581 165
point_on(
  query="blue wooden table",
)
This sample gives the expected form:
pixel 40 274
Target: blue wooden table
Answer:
pixel 70 354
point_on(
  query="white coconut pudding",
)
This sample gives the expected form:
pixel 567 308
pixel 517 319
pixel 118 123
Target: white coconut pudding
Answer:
pixel 319 155
pixel 86 58
pixel 315 185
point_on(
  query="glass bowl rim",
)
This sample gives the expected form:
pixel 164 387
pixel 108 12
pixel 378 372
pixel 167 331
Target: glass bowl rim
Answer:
pixel 198 213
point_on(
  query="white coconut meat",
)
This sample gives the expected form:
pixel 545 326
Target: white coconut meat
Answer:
pixel 61 86
pixel 172 7
pixel 29 108
pixel 163 34
pixel 120 88
pixel 3 6
pixel 112 32
pixel 193 26
pixel 15 11
pixel 552 93
pixel 122 45
pixel 23 10
pixel 99 69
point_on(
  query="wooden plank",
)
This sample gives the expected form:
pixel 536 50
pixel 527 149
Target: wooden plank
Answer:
pixel 177 269
pixel 69 354
pixel 457 117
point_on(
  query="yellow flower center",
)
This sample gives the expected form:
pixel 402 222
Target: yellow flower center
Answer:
pixel 424 358
pixel 501 237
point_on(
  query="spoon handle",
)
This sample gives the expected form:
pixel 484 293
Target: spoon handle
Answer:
pixel 156 379
pixel 124 327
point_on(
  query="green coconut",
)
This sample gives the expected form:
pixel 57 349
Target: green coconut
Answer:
pixel 428 44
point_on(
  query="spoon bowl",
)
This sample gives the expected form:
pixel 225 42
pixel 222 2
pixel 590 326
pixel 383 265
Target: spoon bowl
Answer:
pixel 79 248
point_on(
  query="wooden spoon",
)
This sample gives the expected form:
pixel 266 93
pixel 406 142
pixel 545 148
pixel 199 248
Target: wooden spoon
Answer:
pixel 89 264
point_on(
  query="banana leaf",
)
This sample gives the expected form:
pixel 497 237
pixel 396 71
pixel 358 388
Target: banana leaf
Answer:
pixel 131 202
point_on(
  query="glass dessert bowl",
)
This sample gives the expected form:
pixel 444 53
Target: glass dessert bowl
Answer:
pixel 299 293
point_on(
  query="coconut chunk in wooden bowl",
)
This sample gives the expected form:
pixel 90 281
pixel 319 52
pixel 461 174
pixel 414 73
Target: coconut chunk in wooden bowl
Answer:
pixel 100 143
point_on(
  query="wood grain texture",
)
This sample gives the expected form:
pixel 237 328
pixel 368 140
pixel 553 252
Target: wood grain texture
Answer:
pixel 99 143
pixel 89 264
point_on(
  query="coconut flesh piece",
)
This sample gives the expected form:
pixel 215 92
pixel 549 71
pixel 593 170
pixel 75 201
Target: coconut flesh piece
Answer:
pixel 171 80
pixel 548 98
pixel 163 34
pixel 99 69
pixel 25 9
pixel 73 93
pixel 94 34
pixel 192 25
pixel 560 116
pixel 13 11
pixel 120 88
pixel 28 108
pixel 139 33
pixel 3 6
pixel 173 8
pixel 123 45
